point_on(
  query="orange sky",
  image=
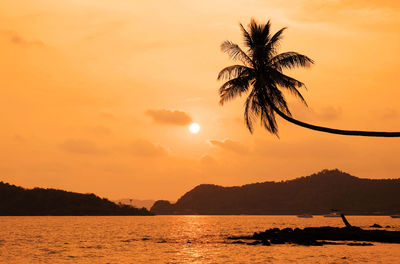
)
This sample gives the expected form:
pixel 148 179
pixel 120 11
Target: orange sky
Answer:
pixel 96 95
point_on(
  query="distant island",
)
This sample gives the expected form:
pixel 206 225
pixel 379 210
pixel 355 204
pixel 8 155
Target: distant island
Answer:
pixel 16 200
pixel 136 202
pixel 314 194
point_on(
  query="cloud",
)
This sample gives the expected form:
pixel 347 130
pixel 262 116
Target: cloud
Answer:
pixel 359 12
pixel 18 138
pixel 194 99
pixel 81 146
pixel 231 145
pixel 329 113
pixel 389 114
pixel 168 117
pixel 15 38
pixel 319 147
pixel 323 113
pixel 146 148
pixel 358 4
pixel 208 160
pixel 100 130
pixel 108 116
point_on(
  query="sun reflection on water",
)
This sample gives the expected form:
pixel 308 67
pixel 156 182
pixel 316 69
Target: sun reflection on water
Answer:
pixel 192 227
pixel 194 251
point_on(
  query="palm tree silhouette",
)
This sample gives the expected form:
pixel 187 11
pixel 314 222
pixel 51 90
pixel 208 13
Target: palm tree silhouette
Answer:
pixel 261 76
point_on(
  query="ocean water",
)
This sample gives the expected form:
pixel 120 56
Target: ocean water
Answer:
pixel 176 239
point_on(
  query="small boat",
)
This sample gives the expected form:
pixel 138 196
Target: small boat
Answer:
pixel 333 214
pixel 395 216
pixel 305 216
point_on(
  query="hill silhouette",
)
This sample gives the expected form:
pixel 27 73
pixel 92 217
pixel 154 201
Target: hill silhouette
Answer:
pixel 16 200
pixel 136 202
pixel 315 194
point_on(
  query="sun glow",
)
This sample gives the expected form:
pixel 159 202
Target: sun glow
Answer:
pixel 194 128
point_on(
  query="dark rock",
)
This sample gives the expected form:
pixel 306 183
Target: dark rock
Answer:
pixel 266 243
pixel 353 228
pixel 316 243
pixel 316 236
pixel 241 237
pixel 388 226
pixel 307 242
pixel 257 242
pixel 287 230
pixel 277 241
pixel 257 235
pixel 359 244
pixel 332 243
pixel 238 242
pixel 376 226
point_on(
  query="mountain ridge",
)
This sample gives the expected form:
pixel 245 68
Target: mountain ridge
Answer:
pixel 15 200
pixel 316 194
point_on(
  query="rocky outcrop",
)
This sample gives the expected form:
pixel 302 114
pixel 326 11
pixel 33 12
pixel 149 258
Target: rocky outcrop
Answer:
pixel 317 236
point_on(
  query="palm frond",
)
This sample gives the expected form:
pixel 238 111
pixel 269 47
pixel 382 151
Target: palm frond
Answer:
pixel 232 88
pixel 290 84
pixel 255 28
pixel 247 38
pixel 235 52
pixel 290 60
pixel 276 97
pixel 273 44
pixel 268 120
pixel 234 71
pixel 265 32
pixel 263 109
pixel 260 33
pixel 250 110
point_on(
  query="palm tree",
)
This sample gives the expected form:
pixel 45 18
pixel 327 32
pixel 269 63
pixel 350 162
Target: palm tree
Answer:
pixel 260 74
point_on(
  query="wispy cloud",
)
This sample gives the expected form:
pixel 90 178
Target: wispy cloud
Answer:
pixel 323 113
pixel 108 116
pixel 145 148
pixel 16 39
pixel 81 146
pixel 360 12
pixel 19 138
pixel 168 117
pixel 100 130
pixel 231 145
pixel 208 160
pixel 389 114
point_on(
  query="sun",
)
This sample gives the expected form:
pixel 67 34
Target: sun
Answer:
pixel 194 128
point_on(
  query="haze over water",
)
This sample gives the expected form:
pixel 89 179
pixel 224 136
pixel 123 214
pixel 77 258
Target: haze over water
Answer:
pixel 176 239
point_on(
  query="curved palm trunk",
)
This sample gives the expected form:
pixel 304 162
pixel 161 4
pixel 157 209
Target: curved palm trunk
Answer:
pixel 345 221
pixel 335 131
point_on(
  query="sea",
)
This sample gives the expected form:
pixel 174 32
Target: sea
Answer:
pixel 176 239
